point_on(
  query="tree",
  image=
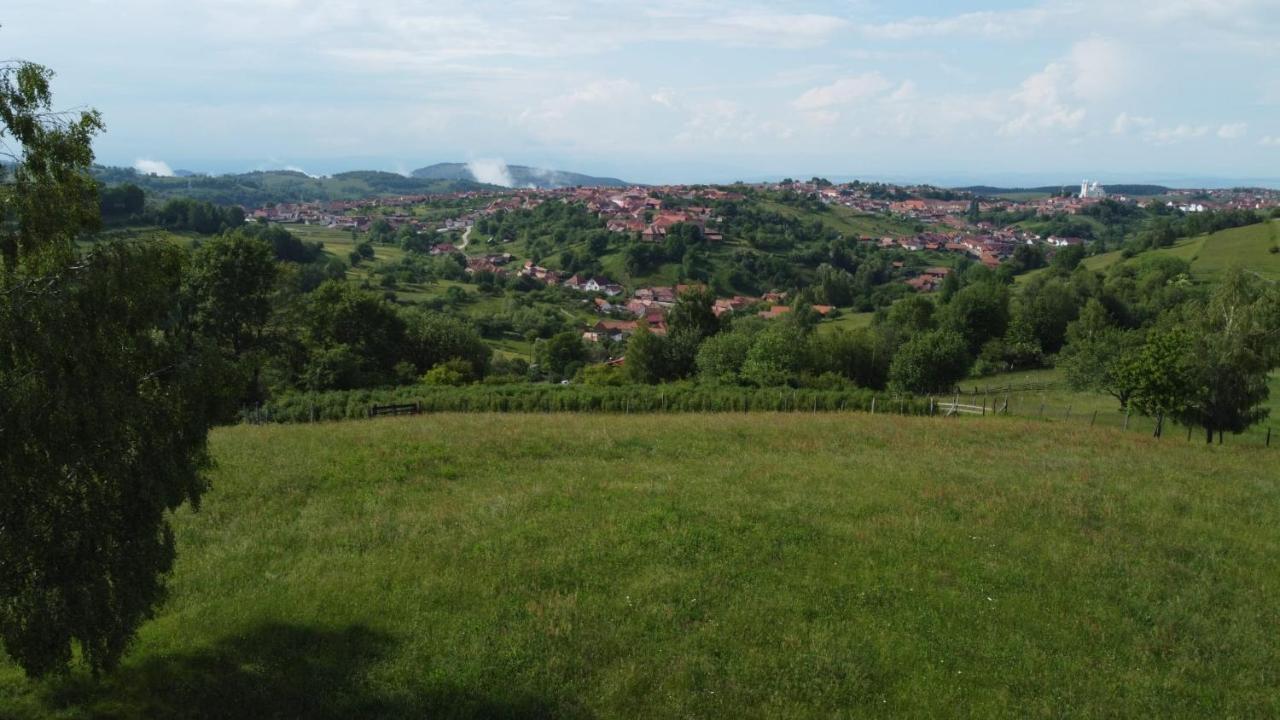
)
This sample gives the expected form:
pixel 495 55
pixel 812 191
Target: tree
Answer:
pixel 979 312
pixel 646 357
pixel 229 285
pixel 930 362
pixel 778 356
pixel 1163 374
pixel 862 356
pixel 355 336
pixel 562 355
pixel 229 288
pixel 720 357
pixel 434 338
pixel 105 400
pixel 1235 344
pixel 1098 356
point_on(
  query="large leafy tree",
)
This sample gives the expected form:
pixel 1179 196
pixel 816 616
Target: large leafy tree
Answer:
pixel 105 399
pixel 1100 356
pixel 1163 374
pixel 1235 344
pixel 930 362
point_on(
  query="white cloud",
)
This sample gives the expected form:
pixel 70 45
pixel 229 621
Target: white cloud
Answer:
pixel 1101 69
pixel 1233 131
pixel 1041 105
pixel 1176 134
pixel 784 30
pixel 989 24
pixel 1124 123
pixel 843 92
pixel 1270 140
pixel 664 97
pixel 153 167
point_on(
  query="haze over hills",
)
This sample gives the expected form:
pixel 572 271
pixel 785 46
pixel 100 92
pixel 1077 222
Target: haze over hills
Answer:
pixel 496 172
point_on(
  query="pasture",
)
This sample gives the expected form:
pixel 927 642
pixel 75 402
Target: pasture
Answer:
pixel 708 565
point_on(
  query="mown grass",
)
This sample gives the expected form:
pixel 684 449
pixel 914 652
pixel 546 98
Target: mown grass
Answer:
pixel 708 566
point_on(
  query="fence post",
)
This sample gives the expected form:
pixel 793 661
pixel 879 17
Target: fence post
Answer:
pixel 1094 419
pixel 930 406
pixel 873 404
pixel 1268 436
pixel 1126 417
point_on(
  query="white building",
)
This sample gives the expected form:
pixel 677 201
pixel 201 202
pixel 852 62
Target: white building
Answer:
pixel 1091 190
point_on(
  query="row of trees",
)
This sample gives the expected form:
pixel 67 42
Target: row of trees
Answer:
pixel 1203 363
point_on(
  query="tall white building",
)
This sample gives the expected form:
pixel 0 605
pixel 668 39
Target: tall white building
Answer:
pixel 1091 190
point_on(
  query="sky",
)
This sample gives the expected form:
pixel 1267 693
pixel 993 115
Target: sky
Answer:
pixel 662 91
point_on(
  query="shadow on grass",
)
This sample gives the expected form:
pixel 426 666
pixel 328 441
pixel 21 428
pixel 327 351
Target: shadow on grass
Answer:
pixel 278 671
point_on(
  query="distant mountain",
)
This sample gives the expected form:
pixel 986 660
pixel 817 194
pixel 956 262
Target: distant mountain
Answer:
pixel 1118 189
pixel 256 189
pixel 497 173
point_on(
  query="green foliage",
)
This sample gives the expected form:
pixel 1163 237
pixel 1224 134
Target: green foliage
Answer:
pixel 122 202
pixel 561 356
pixel 720 357
pixel 1099 356
pixel 47 200
pixel 1163 374
pixel 284 244
pixel 106 404
pixel 433 338
pixel 105 401
pixel 778 355
pixel 602 374
pixel 229 284
pixel 198 216
pixel 979 312
pixel 354 337
pixel 454 372
pixel 862 356
pixel 1235 344
pixel 646 357
pixel 930 362
pixel 525 397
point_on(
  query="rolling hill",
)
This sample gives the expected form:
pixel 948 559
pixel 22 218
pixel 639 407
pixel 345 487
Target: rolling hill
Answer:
pixel 514 176
pixel 256 189
pixel 1119 189
pixel 1248 247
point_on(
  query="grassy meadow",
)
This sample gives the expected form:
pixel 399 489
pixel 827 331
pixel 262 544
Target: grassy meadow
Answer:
pixel 763 565
pixel 1212 254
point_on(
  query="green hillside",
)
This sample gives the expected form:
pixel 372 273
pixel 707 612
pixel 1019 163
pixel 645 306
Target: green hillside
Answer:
pixel 1211 255
pixel 732 566
pixel 256 189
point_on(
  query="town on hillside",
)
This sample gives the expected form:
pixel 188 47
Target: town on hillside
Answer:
pixel 938 223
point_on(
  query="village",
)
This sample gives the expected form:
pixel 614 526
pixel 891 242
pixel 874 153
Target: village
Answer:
pixel 948 227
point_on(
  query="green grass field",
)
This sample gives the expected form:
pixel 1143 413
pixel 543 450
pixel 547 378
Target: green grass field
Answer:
pixel 848 221
pixel 839 565
pixel 1211 255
